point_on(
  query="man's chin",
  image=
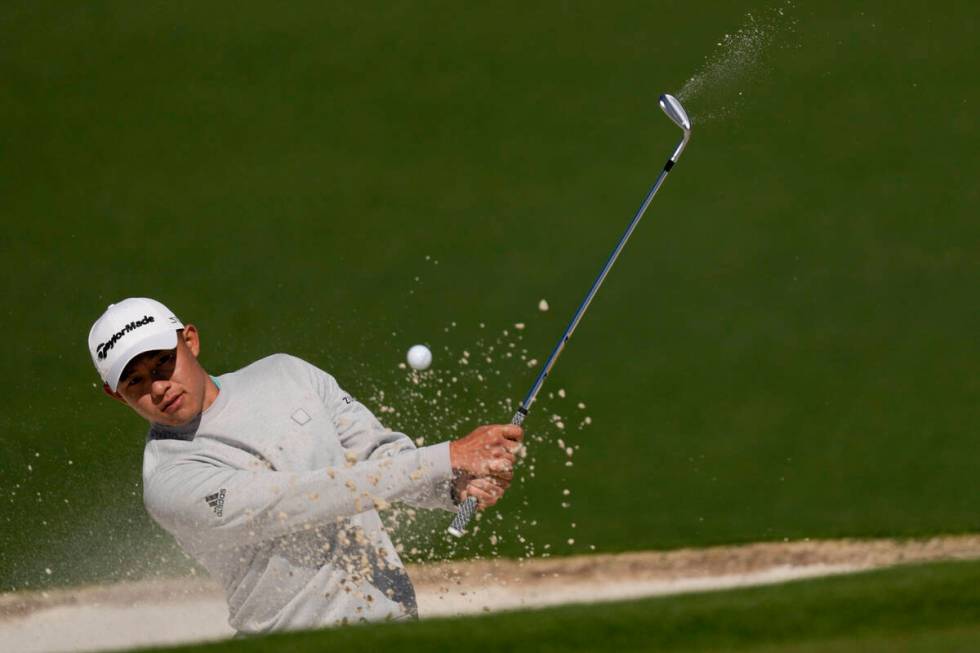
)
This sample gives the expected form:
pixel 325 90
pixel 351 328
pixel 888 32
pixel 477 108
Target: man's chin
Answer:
pixel 179 418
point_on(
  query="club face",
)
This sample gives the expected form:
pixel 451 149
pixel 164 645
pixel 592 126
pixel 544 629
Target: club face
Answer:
pixel 672 107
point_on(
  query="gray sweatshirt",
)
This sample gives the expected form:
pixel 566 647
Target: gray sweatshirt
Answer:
pixel 274 489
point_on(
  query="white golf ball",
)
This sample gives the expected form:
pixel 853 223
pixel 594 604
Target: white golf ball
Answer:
pixel 419 357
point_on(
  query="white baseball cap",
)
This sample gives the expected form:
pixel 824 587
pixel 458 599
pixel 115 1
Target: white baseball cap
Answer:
pixel 126 330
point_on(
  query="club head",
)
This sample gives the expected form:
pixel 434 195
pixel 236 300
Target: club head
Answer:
pixel 672 107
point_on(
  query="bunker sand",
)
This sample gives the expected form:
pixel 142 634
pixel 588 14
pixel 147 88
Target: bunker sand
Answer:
pixel 170 611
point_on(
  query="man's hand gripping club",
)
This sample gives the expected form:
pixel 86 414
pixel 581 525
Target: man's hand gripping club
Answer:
pixel 483 462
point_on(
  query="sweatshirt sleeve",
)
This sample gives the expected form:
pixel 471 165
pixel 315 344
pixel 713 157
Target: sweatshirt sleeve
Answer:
pixel 205 503
pixel 364 438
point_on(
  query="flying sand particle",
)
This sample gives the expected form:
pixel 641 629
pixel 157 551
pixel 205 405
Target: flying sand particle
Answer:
pixel 737 62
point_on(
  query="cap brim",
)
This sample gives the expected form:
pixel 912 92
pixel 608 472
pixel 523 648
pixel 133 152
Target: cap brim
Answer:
pixel 163 340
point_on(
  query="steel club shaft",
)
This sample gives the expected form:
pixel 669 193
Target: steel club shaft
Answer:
pixel 672 107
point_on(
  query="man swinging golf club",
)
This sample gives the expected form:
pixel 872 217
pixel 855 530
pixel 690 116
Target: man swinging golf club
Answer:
pixel 271 476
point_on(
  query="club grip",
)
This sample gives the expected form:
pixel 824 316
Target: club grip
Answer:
pixel 467 509
pixel 463 516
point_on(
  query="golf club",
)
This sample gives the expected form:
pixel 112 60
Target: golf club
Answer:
pixel 672 107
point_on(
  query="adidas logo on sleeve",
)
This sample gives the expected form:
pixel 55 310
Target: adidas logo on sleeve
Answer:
pixel 217 501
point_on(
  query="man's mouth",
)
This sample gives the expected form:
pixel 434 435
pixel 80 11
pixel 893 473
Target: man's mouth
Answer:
pixel 172 405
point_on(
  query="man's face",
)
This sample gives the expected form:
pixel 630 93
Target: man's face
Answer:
pixel 166 386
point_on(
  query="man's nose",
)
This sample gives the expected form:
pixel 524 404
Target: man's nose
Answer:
pixel 159 388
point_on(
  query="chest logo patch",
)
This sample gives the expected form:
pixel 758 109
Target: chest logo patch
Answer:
pixel 301 417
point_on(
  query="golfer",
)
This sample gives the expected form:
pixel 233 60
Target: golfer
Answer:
pixel 271 477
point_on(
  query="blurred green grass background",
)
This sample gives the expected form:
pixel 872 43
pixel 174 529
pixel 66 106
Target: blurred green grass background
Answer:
pixel 788 347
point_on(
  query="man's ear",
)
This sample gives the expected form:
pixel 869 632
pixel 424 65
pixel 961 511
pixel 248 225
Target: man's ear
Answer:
pixel 114 395
pixel 192 338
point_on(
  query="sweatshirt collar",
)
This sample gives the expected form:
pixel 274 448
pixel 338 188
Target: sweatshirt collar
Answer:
pixel 189 430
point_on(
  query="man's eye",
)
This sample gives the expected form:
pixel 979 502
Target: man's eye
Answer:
pixel 134 381
pixel 165 359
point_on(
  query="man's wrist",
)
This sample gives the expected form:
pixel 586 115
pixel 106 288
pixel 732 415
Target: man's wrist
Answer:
pixel 452 454
pixel 460 479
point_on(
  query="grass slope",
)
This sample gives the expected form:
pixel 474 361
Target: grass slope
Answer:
pixel 788 347
pixel 925 608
